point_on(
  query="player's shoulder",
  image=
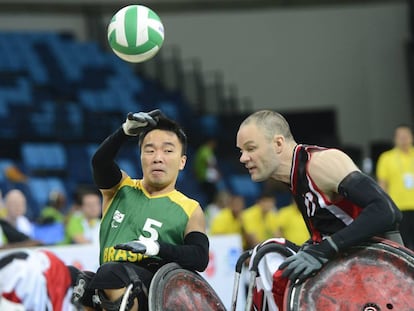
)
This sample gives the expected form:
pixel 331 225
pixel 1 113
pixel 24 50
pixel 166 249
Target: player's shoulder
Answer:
pixel 329 154
pixel 329 167
pixel 183 200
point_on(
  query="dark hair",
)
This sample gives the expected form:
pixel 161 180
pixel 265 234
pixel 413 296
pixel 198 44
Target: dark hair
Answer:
pixel 83 191
pixel 166 124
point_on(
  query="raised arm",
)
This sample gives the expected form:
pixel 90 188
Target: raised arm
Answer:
pixel 106 172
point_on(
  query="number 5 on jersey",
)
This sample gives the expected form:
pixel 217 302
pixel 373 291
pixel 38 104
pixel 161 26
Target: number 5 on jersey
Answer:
pixel 150 227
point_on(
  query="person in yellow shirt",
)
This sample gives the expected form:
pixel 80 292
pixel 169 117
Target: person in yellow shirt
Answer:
pixel 260 220
pixel 229 220
pixel 395 174
pixel 291 225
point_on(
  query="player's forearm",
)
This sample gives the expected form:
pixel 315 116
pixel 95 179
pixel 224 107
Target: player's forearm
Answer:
pixel 192 255
pixel 106 172
pixel 379 213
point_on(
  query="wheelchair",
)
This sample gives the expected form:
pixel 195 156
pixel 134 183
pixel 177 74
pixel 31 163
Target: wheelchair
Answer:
pixel 377 275
pixel 176 289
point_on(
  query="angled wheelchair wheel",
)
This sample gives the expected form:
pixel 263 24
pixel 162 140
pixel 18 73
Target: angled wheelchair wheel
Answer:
pixel 377 275
pixel 176 289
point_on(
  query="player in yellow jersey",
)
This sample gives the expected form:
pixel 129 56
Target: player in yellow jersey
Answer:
pixel 146 222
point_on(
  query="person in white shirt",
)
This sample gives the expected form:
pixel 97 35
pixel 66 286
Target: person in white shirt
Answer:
pixel 16 208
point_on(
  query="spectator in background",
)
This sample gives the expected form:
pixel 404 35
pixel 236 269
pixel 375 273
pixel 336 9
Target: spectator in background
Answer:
pixel 260 220
pixel 75 207
pixel 53 212
pixel 16 207
pixel 10 237
pixel 206 170
pixel 221 200
pixel 291 225
pixel 229 220
pixel 83 225
pixel 395 174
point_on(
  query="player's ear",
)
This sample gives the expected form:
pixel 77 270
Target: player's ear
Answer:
pixel 278 143
pixel 183 162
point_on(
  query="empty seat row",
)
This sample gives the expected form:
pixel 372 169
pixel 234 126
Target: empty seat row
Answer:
pixel 37 157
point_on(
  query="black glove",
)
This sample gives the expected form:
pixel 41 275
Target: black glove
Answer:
pixel 135 122
pixel 307 261
pixel 147 247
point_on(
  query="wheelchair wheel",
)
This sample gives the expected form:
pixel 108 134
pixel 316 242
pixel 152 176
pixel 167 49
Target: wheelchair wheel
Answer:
pixel 176 289
pixel 377 275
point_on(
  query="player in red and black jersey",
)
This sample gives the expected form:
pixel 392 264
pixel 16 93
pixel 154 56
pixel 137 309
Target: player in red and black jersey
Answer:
pixel 35 280
pixel 341 205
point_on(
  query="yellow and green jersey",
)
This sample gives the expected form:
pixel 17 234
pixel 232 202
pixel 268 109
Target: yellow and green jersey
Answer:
pixel 134 214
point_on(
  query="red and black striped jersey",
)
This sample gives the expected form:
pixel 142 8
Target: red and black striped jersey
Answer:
pixel 322 217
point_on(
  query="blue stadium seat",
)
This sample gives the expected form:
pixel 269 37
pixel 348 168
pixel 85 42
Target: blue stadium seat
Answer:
pixel 4 163
pixel 130 168
pixel 90 150
pixel 38 157
pixel 210 125
pixel 40 188
pixel 241 184
pixel 49 234
pixel 170 109
pixel 186 184
pixel 79 164
pixel 43 121
pixel 4 109
pixel 31 156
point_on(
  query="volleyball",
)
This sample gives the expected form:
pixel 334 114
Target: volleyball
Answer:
pixel 135 33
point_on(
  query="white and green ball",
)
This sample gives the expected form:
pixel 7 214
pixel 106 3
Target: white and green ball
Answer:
pixel 135 33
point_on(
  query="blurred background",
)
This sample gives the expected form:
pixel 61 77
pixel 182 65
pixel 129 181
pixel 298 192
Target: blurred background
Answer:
pixel 340 71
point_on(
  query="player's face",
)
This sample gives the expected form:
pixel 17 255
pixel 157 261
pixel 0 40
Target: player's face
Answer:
pixel 257 152
pixel 161 159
